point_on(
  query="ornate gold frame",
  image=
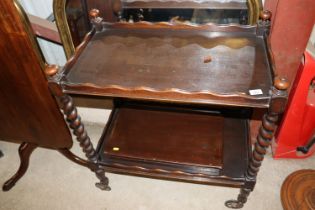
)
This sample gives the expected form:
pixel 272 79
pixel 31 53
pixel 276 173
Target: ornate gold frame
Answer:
pixel 59 7
pixel 254 8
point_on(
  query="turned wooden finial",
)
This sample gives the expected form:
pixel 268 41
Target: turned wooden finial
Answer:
pixel 265 15
pixel 281 83
pixel 116 6
pixel 51 70
pixel 95 19
pixel 94 13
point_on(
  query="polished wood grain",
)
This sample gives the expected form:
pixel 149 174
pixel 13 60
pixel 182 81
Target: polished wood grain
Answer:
pixel 298 190
pixel 177 25
pixel 166 137
pixel 29 113
pixel 176 142
pixel 205 69
pixel 166 62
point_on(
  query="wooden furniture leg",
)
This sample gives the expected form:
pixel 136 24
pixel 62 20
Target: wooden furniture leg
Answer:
pixel 79 131
pixel 266 133
pixel 25 151
pixel 68 154
pixel 74 121
pixel 100 173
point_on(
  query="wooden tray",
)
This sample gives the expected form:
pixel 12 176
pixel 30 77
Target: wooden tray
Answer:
pixel 151 135
pixel 183 63
pixel 176 143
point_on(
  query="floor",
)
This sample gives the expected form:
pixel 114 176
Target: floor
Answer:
pixel 53 182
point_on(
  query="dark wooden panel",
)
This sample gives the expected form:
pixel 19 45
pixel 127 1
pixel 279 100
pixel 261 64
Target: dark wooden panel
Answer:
pixel 202 65
pixel 298 190
pixel 28 113
pixel 166 136
pixel 153 138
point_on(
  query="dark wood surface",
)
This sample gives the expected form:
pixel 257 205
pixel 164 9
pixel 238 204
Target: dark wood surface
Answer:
pixel 186 63
pixel 29 113
pixel 166 136
pixel 298 190
pixel 172 142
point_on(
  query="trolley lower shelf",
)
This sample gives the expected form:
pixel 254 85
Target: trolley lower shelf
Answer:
pixel 198 145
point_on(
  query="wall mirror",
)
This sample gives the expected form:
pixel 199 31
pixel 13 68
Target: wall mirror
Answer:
pixel 73 21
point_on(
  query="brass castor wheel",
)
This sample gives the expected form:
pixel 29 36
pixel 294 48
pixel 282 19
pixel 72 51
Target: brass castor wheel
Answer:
pixel 234 204
pixel 102 186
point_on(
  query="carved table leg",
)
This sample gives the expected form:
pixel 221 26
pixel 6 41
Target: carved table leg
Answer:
pixel 25 151
pixel 66 104
pixel 266 133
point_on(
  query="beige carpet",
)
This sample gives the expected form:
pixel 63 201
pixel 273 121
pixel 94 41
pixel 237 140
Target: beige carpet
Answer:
pixel 53 182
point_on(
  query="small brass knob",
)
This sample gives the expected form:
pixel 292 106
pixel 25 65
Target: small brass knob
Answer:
pixel 51 70
pixel 94 13
pixel 281 83
pixel 265 15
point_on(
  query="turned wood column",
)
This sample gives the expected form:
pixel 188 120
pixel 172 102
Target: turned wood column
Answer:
pixel 74 121
pixel 266 133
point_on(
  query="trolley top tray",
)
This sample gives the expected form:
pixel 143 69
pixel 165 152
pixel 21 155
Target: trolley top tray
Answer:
pixel 206 64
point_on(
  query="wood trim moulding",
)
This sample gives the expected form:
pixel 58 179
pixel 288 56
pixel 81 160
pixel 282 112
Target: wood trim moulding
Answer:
pixel 44 29
pixel 174 95
pixel 78 50
pixel 183 26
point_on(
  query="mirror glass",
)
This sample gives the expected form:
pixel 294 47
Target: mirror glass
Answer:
pixel 195 12
pixel 196 16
